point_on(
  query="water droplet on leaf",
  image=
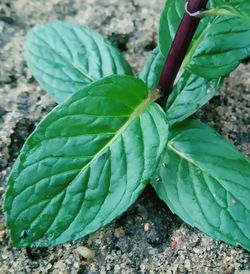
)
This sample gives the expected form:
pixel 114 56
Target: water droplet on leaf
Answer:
pixel 233 201
pixel 158 179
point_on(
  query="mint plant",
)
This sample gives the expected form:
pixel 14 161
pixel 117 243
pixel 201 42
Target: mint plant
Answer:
pixel 111 134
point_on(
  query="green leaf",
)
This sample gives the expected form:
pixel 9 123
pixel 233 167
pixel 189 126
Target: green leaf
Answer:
pixel 206 181
pixel 237 8
pixel 86 163
pixel 66 57
pixel 151 72
pixel 224 45
pixel 189 94
pixel 169 23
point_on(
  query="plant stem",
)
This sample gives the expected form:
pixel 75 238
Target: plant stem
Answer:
pixel 179 48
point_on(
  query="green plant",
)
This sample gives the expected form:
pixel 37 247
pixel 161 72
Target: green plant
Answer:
pixel 91 157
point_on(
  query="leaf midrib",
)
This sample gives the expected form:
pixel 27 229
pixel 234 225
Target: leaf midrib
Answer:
pixel 228 11
pixel 136 113
pixel 183 156
pixel 84 73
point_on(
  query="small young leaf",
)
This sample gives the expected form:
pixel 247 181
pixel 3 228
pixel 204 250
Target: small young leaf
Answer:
pixel 206 181
pixel 66 57
pixel 169 23
pixel 86 163
pixel 151 72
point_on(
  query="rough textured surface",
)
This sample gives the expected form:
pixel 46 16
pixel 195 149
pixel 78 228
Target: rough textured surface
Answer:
pixel 148 239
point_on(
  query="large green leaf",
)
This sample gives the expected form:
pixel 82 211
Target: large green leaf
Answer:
pixel 189 93
pixel 66 57
pixel 86 163
pixel 206 181
pixel 224 45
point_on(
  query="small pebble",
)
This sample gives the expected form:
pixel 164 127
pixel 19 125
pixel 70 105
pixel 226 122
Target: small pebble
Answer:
pixel 146 227
pixel 117 269
pixel 85 252
pixel 60 265
pixel 119 232
pixel 4 256
pixel 76 265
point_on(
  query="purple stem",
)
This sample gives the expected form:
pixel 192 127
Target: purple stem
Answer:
pixel 179 48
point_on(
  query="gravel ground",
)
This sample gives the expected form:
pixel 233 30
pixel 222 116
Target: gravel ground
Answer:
pixel 148 238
